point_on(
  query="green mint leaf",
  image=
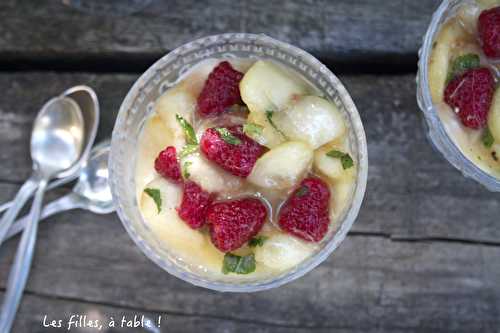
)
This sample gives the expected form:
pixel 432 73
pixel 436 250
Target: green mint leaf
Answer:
pixel 188 130
pixel 188 150
pixel 246 265
pixel 303 190
pixel 230 263
pixel 462 64
pixel 252 129
pixel 155 194
pixel 346 161
pixel 227 136
pixel 335 153
pixel 345 158
pixel 269 116
pixel 185 171
pixel 238 264
pixel 257 241
pixel 487 138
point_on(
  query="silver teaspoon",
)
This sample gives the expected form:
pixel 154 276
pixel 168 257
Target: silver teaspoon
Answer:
pixel 57 143
pixel 86 98
pixel 91 192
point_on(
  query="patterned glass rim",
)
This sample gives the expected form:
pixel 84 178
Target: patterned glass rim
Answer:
pixel 357 197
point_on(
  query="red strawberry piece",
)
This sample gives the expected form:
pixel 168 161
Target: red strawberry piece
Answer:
pixel 489 32
pixel 306 212
pixel 194 205
pixel 221 90
pixel 470 94
pixel 167 165
pixel 233 223
pixel 237 158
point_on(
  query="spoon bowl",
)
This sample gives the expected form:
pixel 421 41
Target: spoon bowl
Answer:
pixel 58 135
pixel 86 98
pixel 92 186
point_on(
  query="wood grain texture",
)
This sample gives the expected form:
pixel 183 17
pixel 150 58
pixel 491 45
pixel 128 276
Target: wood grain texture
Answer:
pixel 371 284
pixel 412 191
pixel 340 31
pixel 422 256
pixel 35 307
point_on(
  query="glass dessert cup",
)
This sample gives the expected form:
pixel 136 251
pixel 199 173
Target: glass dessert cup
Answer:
pixel 436 130
pixel 139 103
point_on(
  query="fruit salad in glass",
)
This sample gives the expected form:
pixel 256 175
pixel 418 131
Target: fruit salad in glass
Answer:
pixel 463 73
pixel 244 168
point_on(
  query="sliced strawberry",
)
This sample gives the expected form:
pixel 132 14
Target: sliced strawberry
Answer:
pixel 233 223
pixel 306 212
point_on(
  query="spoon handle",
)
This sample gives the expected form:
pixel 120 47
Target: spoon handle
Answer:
pixel 22 263
pixel 52 185
pixel 62 204
pixel 22 196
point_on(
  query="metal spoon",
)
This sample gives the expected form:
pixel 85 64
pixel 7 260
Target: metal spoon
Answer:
pixel 86 98
pixel 57 143
pixel 91 192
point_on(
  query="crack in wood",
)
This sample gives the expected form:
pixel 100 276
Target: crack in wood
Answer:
pixel 424 239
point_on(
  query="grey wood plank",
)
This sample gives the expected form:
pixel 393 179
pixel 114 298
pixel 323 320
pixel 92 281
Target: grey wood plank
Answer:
pixel 35 308
pixel 370 284
pixel 37 311
pixel 412 191
pixel 341 31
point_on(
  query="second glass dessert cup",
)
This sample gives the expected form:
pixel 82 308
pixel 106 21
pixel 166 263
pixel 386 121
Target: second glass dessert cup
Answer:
pixel 139 103
pixel 436 131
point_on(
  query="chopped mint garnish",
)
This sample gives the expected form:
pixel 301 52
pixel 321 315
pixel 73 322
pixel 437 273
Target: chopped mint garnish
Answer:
pixel 269 116
pixel 257 241
pixel 303 190
pixel 462 64
pixel 185 171
pixel 252 129
pixel 155 194
pixel 487 138
pixel 188 150
pixel 188 130
pixel 345 158
pixel 227 136
pixel 238 264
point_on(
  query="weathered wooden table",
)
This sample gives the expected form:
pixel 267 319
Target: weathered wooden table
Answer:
pixel 423 256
